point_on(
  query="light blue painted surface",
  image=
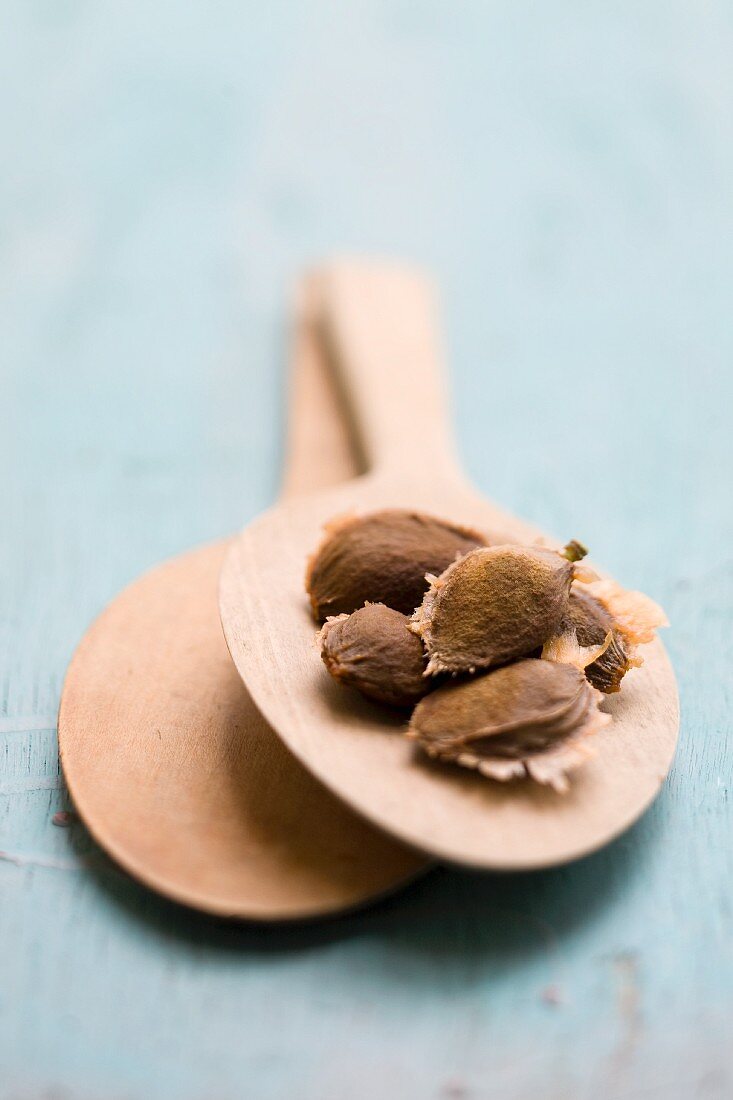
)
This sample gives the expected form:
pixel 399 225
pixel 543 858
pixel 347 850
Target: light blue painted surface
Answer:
pixel 567 171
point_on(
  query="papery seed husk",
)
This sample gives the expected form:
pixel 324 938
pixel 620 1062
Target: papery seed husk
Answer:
pixel 493 605
pixel 565 648
pixel 374 651
pixel 636 616
pixel 382 558
pixel 532 718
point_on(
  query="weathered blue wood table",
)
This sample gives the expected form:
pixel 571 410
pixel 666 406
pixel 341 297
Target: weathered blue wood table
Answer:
pixel 567 171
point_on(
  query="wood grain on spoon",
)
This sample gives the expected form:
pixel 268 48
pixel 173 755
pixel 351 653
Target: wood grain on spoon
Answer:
pixel 169 762
pixel 380 320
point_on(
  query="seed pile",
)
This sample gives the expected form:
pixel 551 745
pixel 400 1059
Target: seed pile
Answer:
pixel 504 651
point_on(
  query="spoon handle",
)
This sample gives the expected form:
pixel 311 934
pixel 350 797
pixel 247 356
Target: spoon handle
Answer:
pixel 320 448
pixel 380 324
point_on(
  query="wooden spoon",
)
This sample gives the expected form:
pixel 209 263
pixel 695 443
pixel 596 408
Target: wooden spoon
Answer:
pixel 168 761
pixel 380 320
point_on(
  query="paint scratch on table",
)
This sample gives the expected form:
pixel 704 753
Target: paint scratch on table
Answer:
pixel 628 1002
pixel 22 860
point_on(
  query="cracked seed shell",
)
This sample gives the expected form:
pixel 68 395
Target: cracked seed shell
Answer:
pixel 602 610
pixel 587 624
pixel 374 651
pixel 382 558
pixel 531 718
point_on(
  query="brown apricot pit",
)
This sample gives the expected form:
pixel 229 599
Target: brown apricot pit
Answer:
pixel 382 558
pixel 492 606
pixel 374 651
pixel 531 718
pixel 505 651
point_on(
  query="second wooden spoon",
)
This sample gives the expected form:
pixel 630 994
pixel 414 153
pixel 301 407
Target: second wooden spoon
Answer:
pixel 170 764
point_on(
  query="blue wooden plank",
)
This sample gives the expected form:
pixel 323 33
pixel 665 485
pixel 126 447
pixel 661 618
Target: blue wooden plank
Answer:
pixel 566 170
